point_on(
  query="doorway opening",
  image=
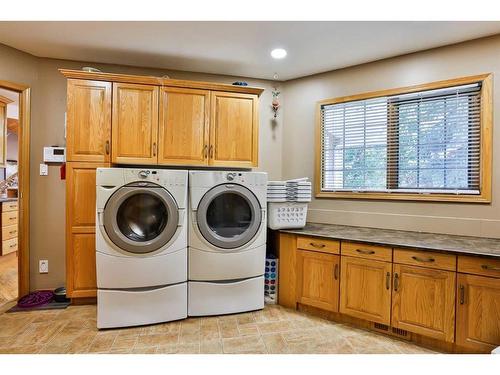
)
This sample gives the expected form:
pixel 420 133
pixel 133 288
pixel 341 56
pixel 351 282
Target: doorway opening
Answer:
pixel 14 192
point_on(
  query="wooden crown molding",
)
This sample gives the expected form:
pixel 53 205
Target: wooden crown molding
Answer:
pixel 158 81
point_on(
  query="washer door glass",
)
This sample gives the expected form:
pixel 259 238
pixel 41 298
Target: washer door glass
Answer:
pixel 229 216
pixel 141 217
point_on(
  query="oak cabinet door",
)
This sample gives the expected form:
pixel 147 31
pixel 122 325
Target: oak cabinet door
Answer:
pixel 318 280
pixel 423 301
pixel 88 121
pixel 365 289
pixel 135 124
pixel 80 229
pixel 183 130
pixel 478 313
pixel 234 130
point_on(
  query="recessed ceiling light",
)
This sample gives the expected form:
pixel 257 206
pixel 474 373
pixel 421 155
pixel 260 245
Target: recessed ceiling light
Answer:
pixel 278 53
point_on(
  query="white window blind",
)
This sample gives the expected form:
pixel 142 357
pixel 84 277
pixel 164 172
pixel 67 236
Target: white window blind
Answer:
pixel 421 142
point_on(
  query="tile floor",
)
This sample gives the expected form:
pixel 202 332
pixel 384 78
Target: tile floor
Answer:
pixel 272 330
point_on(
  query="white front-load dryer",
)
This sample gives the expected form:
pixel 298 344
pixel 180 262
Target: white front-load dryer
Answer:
pixel 141 246
pixel 227 241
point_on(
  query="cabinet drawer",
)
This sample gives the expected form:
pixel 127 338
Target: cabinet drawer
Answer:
pixel 426 259
pixel 9 218
pixel 362 250
pixel 9 232
pixel 479 266
pixel 9 206
pixel 9 246
pixel 318 244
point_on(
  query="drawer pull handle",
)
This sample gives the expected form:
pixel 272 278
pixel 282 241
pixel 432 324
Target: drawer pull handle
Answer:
pixel 366 252
pixel 462 294
pixel 336 272
pixel 13 218
pixel 13 245
pixel 317 245
pixel 490 268
pixel 12 231
pixel 388 281
pixel 423 260
pixel 396 282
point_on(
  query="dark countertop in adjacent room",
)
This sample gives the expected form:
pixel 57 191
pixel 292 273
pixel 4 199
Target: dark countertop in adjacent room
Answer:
pixel 7 199
pixel 399 238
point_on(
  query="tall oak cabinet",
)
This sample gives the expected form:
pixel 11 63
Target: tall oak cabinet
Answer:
pixel 115 119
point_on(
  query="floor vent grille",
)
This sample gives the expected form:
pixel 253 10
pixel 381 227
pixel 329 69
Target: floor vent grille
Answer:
pixel 381 327
pixel 400 332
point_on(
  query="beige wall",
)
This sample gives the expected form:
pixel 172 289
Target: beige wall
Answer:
pixel 48 108
pixel 475 57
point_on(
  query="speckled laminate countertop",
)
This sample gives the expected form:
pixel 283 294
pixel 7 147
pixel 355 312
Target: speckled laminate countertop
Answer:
pixel 398 238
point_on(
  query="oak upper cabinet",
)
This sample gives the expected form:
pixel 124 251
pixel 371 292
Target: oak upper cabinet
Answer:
pixel 135 124
pixel 88 121
pixel 234 130
pixel 365 289
pixel 80 229
pixel 184 126
pixel 478 313
pixel 423 301
pixel 318 279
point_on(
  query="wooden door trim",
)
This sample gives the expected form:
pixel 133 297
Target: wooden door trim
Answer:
pixel 24 92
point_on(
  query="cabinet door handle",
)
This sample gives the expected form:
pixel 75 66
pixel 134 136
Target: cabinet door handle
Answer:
pixel 388 280
pixel 336 272
pixel 490 268
pixel 423 260
pixel 205 151
pixel 211 151
pixel 396 282
pixel 317 245
pixel 366 252
pixel 154 148
pixel 462 294
pixel 107 147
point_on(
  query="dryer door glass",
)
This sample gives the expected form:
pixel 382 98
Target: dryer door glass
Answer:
pixel 141 218
pixel 229 216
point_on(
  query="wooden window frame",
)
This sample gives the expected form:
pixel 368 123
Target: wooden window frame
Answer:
pixel 486 124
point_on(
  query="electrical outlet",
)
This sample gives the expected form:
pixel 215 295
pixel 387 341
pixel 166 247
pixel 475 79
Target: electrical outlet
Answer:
pixel 43 266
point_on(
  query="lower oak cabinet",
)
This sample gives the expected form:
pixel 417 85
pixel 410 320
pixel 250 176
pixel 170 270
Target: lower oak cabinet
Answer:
pixel 80 229
pixel 318 279
pixel 423 301
pixel 478 313
pixel 365 289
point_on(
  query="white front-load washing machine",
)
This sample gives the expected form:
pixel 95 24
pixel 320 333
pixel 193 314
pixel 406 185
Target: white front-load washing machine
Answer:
pixel 141 246
pixel 227 241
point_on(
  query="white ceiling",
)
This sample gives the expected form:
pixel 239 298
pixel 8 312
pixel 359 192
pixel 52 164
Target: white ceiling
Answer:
pixel 236 48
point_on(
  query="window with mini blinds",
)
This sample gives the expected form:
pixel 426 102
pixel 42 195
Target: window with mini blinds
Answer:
pixel 420 142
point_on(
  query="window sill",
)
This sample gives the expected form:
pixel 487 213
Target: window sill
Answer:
pixel 482 198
